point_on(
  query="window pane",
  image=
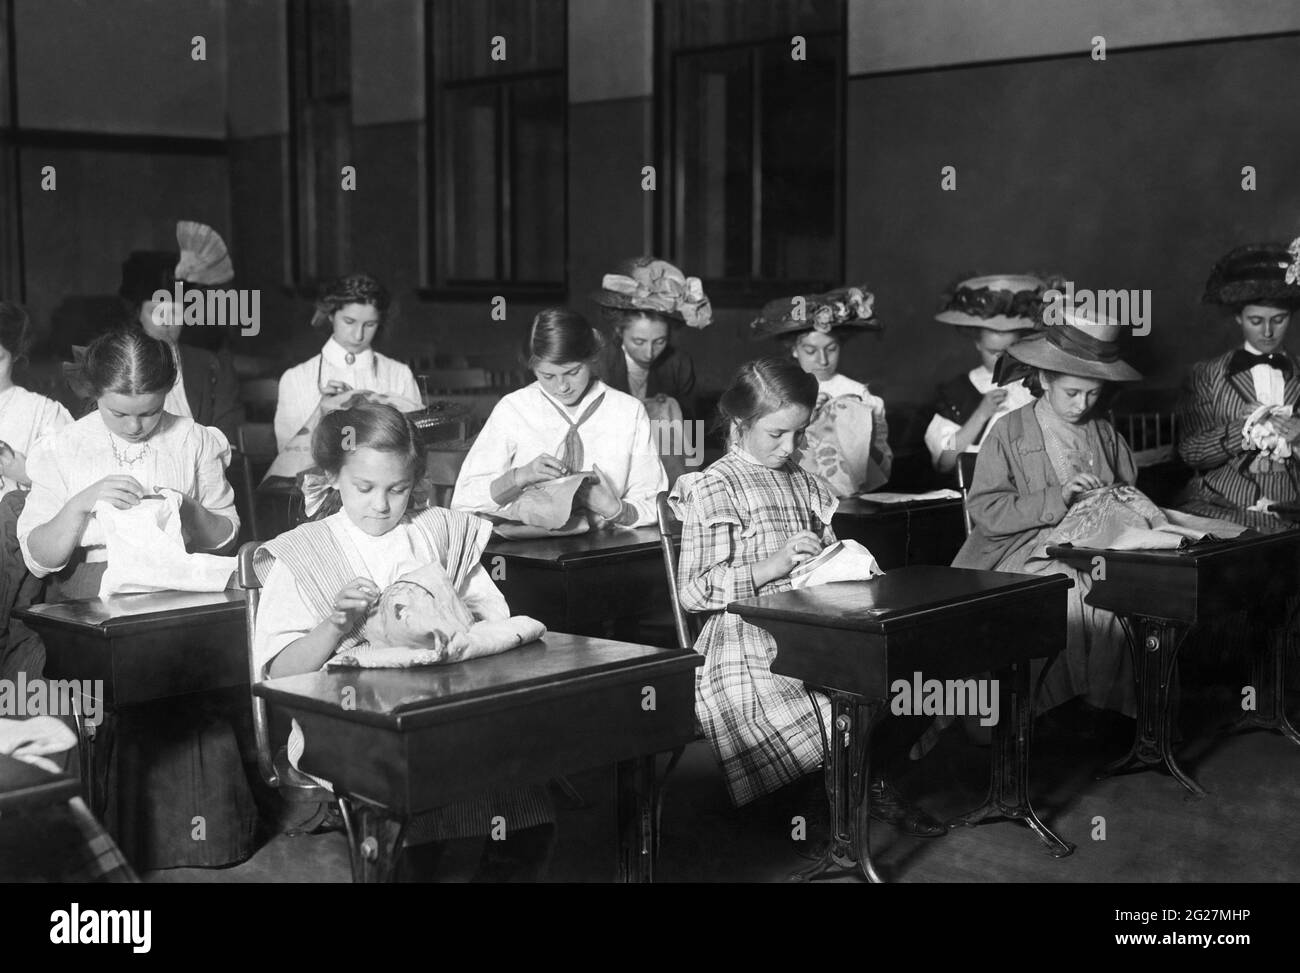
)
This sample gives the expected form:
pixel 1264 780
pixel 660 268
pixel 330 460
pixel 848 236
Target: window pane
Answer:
pixel 538 181
pixel 533 30
pixel 800 162
pixel 468 170
pixel 701 23
pixel 714 142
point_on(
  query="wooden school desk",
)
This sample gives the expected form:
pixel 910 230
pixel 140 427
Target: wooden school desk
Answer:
pixel 398 742
pixel 899 534
pixel 1161 595
pixel 143 647
pixel 851 640
pixel 581 583
pixel 27 788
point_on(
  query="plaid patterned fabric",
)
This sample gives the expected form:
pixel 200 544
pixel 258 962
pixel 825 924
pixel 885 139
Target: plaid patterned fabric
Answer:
pixel 1211 412
pixel 736 513
pixel 98 859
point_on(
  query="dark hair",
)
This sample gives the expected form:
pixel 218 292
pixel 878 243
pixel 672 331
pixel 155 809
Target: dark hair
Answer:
pixel 841 336
pixel 352 289
pixel 618 318
pixel 127 361
pixel 15 330
pixel 1288 304
pixel 559 336
pixel 372 424
pixel 763 386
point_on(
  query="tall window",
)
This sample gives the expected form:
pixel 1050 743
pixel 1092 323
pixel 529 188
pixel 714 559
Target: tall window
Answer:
pixel 753 138
pixel 498 180
pixel 320 106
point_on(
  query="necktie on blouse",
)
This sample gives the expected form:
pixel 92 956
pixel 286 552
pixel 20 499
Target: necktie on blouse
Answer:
pixel 1243 361
pixel 571 451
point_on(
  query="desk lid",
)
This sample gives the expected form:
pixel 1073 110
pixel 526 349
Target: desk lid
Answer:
pixel 125 614
pixel 1243 546
pixel 24 786
pixel 602 545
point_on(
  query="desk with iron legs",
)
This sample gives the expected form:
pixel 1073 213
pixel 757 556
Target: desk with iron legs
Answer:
pixel 1160 596
pixel 142 648
pixel 852 640
pixel 903 534
pixel 399 742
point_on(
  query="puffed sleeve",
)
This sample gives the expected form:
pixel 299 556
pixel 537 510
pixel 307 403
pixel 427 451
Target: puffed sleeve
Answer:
pixel 283 617
pixel 293 406
pixel 646 476
pixel 407 386
pixel 213 490
pixel 46 498
pixel 53 416
pixel 491 455
pixel 711 528
pixel 939 437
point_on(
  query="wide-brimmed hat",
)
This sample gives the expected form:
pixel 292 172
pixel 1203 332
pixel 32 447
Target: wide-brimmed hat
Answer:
pixel 1254 273
pixel 1083 345
pixel 845 308
pixel 201 260
pixel 1001 302
pixel 650 284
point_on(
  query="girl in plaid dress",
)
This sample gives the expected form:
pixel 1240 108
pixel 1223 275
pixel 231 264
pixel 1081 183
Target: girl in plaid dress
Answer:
pixel 747 522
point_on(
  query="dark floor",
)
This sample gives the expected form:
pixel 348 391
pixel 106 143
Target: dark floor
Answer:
pixel 1153 831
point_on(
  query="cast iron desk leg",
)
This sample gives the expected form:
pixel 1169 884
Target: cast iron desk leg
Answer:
pixel 374 839
pixel 1268 669
pixel 638 822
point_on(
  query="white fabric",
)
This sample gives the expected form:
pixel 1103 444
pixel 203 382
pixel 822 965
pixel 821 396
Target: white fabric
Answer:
pixel 524 425
pixel 300 386
pixel 845 560
pixel 182 455
pixel 839 384
pixel 25 418
pixel 283 615
pixel 638 377
pixel 145 550
pixel 1270 383
pixel 177 403
pixel 941 433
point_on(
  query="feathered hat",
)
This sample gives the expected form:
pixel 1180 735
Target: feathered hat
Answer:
pixel 203 261
pixel 650 284
pixel 1257 272
pixel 847 307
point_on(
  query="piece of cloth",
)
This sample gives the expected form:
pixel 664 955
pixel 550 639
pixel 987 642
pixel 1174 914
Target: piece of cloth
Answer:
pixel 300 386
pixel 763 727
pixel 303 570
pixel 1212 410
pixel 525 424
pixel 180 455
pixel 845 560
pixel 145 551
pixel 1015 503
pixel 846 444
pixel 1123 518
pixel 295 456
pixel 477 639
pixel 551 505
pixel 25 418
pixel 956 403
pixel 37 737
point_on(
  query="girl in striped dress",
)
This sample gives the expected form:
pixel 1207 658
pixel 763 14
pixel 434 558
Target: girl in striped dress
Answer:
pixel 320 580
pixel 747 522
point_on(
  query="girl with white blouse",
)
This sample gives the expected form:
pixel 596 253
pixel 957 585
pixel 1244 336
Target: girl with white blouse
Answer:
pixel 123 451
pixel 353 308
pixel 25 416
pixel 566 422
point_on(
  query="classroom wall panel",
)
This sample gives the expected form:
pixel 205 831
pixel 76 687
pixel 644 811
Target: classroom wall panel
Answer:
pixel 258 92
pixel 896 35
pixel 611 49
pixel 387 61
pixel 128 73
pixel 1121 175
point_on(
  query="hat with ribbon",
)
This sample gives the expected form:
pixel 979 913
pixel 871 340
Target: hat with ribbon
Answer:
pixel 202 261
pixel 1001 302
pixel 847 307
pixel 1257 272
pixel 649 284
pixel 1083 345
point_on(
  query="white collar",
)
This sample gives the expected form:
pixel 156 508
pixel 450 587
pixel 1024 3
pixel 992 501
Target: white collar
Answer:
pixel 978 373
pixel 336 354
pixel 593 390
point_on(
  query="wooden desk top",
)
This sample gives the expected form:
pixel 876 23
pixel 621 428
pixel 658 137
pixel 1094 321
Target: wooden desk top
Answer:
pixel 403 699
pixel 23 786
pixel 868 509
pixel 901 599
pixel 604 546
pixel 1196 556
pixel 122 615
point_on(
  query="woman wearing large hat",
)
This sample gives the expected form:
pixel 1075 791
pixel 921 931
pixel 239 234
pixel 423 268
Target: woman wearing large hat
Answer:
pixel 994 312
pixel 847 440
pixel 1034 464
pixel 1237 426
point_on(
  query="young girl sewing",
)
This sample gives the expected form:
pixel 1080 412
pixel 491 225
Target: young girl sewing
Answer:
pixel 320 580
pixel 1033 466
pixel 566 422
pixel 748 521
pixel 848 436
pixel 24 416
